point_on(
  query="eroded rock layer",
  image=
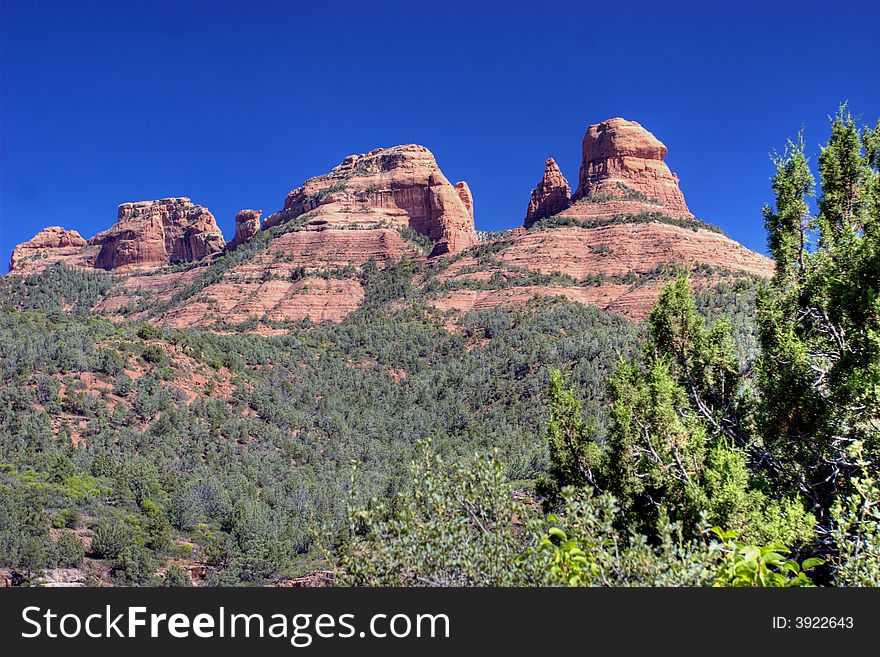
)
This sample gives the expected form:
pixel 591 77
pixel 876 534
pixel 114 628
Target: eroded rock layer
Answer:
pixel 551 196
pixel 299 274
pixel 151 234
pixel 247 224
pixel 398 187
pixel 641 248
pixel 620 157
pixel 50 246
pixel 147 235
pixel 619 267
pixel 632 228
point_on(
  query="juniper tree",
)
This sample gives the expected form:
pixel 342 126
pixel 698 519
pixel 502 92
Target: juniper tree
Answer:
pixel 575 458
pixel 819 319
pixel 680 445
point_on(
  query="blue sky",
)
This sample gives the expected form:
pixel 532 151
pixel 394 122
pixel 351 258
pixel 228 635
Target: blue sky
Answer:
pixel 235 103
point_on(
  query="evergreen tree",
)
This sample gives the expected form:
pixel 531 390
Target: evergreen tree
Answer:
pixel 787 223
pixel 819 374
pixel 680 442
pixel 575 459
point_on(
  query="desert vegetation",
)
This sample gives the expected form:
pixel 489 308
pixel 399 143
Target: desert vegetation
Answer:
pixel 731 439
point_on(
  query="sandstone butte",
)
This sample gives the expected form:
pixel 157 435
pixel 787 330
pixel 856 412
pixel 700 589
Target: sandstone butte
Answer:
pixel 399 187
pixel 147 235
pixel 371 206
pixel 360 211
pixel 605 228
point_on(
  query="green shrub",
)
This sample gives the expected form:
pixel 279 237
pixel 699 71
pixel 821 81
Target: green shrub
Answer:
pixel 71 518
pixel 110 538
pixel 70 550
pixel 153 354
pixel 746 565
pixel 177 577
pixel 134 565
pixel 856 526
pixel 149 332
pixel 454 529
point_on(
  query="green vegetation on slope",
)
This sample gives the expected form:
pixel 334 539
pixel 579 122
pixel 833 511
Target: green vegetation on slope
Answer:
pixel 731 441
pixel 719 476
pixel 248 467
pixel 557 221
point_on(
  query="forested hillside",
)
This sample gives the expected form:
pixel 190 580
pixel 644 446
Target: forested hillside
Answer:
pixel 234 450
pixel 729 439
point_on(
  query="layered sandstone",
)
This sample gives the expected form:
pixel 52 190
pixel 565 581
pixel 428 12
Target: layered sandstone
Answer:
pixel 299 274
pixel 619 152
pixel 247 224
pixel 51 246
pixel 641 248
pixel 272 300
pixel 151 234
pixel 464 193
pixel 147 235
pixel 399 187
pixel 359 213
pixel 551 196
pixel 623 173
pixel 618 267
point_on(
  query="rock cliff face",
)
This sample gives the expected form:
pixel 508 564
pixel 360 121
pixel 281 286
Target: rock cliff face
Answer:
pixel 551 196
pixel 247 224
pixel 631 226
pixel 399 187
pixel 618 236
pixel 641 248
pixel 623 173
pixel 50 246
pixel 620 152
pixel 147 235
pixel 150 234
pixel 619 267
pixel 464 193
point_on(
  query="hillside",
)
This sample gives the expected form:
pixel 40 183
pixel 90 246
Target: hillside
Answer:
pixel 608 245
pixel 246 441
pixel 174 403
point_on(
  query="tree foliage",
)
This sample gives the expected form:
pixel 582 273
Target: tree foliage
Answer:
pixel 751 410
pixel 819 372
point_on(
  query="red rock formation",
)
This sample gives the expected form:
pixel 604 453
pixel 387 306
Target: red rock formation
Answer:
pixel 288 280
pixel 388 187
pixel 151 234
pixel 147 235
pixel 335 247
pixel 464 193
pixel 622 160
pixel 619 251
pixel 50 246
pixel 355 214
pixel 10 577
pixel 641 248
pixel 551 196
pixel 234 302
pixel 247 224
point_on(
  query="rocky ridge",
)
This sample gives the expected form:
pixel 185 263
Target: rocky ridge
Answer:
pixel 147 235
pixel 608 244
pixel 400 187
pixel 611 244
pixel 551 196
pixel 152 234
pixel 52 245
pixel 247 224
